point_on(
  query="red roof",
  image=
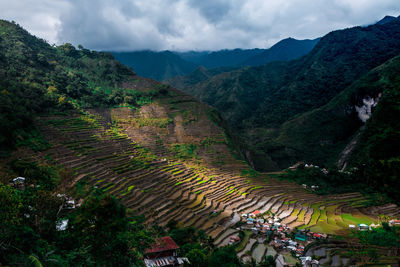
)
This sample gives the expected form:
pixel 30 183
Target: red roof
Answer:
pixel 162 244
pixel 256 212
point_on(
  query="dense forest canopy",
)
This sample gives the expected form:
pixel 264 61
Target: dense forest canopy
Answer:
pixel 36 77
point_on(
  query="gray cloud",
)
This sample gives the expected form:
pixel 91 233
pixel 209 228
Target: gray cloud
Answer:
pixel 189 24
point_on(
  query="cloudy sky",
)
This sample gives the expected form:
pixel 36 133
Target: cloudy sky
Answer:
pixel 189 24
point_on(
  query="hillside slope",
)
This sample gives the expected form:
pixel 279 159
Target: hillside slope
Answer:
pixel 258 101
pixel 362 115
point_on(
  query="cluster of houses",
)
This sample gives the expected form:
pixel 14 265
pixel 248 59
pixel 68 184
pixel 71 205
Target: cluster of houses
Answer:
pixel 366 227
pixel 281 234
pixel 308 166
pixel 362 227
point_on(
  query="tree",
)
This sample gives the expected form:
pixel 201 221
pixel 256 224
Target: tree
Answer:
pixel 268 261
pixel 102 227
pixel 197 258
pixel 224 257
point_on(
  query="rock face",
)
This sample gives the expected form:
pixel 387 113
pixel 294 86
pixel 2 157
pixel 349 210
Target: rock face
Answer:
pixel 365 111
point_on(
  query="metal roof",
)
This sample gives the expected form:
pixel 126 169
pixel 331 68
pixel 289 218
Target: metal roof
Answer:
pixel 165 261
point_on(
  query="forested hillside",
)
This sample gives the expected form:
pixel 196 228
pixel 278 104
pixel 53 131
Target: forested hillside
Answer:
pixel 156 65
pixel 64 117
pixel 306 110
pixel 36 77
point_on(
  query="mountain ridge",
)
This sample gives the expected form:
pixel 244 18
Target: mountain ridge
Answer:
pixel 262 98
pixel 166 64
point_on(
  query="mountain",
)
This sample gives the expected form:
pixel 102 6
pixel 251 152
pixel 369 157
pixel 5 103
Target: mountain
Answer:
pixel 221 58
pixel 155 65
pixel 284 50
pixel 258 101
pixel 387 19
pixel 165 65
pixel 197 76
pixel 92 144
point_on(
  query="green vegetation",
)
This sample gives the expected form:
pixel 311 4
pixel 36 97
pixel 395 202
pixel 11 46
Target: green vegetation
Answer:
pixel 155 122
pixel 99 232
pixel 199 248
pixel 184 151
pixel 40 78
pixel 304 110
pixel 245 237
pixel 250 173
pixel 385 237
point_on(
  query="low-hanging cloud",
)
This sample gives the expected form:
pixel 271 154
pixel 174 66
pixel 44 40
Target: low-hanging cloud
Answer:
pixel 189 24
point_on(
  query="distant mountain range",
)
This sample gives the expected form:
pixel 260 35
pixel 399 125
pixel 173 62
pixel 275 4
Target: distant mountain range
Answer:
pixel 156 65
pixel 166 64
pixel 281 108
pixel 222 58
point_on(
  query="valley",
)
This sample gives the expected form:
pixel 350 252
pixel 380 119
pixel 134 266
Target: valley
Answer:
pixel 207 188
pixel 112 155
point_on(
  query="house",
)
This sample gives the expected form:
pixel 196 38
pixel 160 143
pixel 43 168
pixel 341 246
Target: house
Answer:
pixel 375 225
pixel 308 262
pixel 301 237
pixel 163 253
pixel 394 222
pixel 69 204
pixel 314 187
pixel 317 236
pixel 62 225
pixel 352 226
pixel 18 180
pixel 250 221
pixel 254 213
pixel 233 240
pixel 314 263
pixel 19 183
pixel 305 260
pixel 363 227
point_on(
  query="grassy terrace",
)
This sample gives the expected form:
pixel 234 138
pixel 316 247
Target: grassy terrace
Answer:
pixel 187 190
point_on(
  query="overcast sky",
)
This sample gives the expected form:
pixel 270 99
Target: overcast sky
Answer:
pixel 189 24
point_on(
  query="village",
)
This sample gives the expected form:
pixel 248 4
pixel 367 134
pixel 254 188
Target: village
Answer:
pixel 280 237
pixel 266 227
pixel 269 229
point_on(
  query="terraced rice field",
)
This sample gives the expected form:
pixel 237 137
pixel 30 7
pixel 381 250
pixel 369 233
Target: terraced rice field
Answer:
pixel 149 181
